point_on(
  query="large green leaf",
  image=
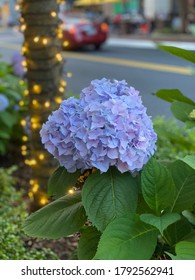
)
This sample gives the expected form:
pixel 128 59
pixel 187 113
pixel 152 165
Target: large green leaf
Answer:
pixel 60 218
pixel 61 181
pixel 157 186
pixel 189 160
pixel 88 243
pixel 185 54
pixel 172 95
pixel 109 195
pixel 127 238
pixel 177 231
pixel 185 249
pixel 7 118
pixel 182 110
pixel 184 179
pixel 160 222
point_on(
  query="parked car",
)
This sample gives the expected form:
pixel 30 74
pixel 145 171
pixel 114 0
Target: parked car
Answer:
pixel 79 31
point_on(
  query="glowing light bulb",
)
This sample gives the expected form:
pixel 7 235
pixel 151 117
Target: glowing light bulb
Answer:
pixel 36 39
pixel 23 122
pixel 35 188
pixel 53 14
pixel 41 156
pixel 66 44
pixel 35 103
pixel 23 27
pixel 58 99
pixel 24 138
pixel 37 89
pixel 47 104
pixel 71 191
pixel 23 147
pixel 21 103
pixel 45 41
pixel 26 92
pixel 43 201
pixel 63 83
pixel 23 153
pixel 17 7
pixel 59 57
pixel 61 89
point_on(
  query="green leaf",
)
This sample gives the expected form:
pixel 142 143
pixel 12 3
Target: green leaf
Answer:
pixel 172 95
pixel 177 231
pixel 181 110
pixel 88 243
pixel 157 186
pixel 185 54
pixel 60 218
pixel 7 118
pixel 109 195
pixel 127 238
pixel 184 178
pixel 185 249
pixel 5 134
pixel 162 222
pixel 189 160
pixel 61 181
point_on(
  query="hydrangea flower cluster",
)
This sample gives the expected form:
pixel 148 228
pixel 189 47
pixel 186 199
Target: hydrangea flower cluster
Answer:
pixel 16 62
pixel 4 102
pixel 107 126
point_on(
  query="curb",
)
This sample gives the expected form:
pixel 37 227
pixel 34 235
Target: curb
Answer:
pixel 147 44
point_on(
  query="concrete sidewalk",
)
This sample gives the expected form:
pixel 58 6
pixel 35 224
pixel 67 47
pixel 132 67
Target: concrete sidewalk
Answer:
pixel 150 41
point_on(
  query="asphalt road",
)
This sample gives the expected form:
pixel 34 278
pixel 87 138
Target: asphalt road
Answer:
pixel 148 70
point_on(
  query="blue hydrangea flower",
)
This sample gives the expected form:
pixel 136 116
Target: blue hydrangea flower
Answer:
pixel 4 102
pixel 107 126
pixel 16 62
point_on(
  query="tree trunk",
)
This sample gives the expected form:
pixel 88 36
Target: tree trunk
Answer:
pixel 44 73
pixel 183 6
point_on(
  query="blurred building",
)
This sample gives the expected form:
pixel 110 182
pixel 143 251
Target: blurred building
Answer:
pixel 8 14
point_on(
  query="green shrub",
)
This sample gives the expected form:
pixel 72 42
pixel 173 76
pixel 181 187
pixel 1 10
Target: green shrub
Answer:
pixel 175 140
pixel 12 106
pixel 12 214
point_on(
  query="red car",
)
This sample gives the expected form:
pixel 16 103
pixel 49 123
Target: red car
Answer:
pixel 79 32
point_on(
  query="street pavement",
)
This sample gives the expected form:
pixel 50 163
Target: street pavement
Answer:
pixel 131 41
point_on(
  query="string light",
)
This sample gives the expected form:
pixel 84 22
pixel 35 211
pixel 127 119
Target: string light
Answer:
pixel 36 39
pixel 61 89
pixel 58 99
pixel 37 89
pixel 24 138
pixel 53 14
pixel 41 156
pixel 45 41
pixel 23 27
pixel 47 104
pixel 43 201
pixel 71 191
pixel 21 103
pixel 23 122
pixel 17 7
pixel 26 92
pixel 66 44
pixel 59 57
pixel 35 188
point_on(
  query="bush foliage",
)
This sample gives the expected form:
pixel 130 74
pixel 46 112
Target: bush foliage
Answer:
pixel 13 211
